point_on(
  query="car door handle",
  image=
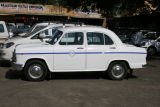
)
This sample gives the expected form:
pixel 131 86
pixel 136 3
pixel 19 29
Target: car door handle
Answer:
pixel 112 48
pixel 80 48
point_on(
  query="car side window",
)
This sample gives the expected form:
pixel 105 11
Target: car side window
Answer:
pixel 1 28
pixel 108 40
pixel 46 32
pixel 94 38
pixel 75 38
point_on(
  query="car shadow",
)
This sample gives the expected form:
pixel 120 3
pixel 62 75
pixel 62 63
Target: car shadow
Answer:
pixel 13 74
pixel 155 57
pixel 4 63
pixel 131 76
pixel 76 75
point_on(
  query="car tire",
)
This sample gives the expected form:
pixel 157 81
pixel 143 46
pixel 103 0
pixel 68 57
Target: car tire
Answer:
pixel 151 51
pixel 117 70
pixel 35 70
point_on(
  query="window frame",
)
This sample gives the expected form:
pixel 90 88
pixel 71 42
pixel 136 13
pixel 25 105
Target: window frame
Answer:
pixel 109 38
pixel 104 42
pixel 3 29
pixel 71 44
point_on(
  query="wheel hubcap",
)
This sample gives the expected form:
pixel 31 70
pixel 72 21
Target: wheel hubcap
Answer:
pixel 118 71
pixel 35 71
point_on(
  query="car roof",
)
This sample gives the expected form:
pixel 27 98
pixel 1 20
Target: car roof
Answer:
pixel 44 23
pixel 63 25
pixel 89 28
pixel 83 28
pixel 54 26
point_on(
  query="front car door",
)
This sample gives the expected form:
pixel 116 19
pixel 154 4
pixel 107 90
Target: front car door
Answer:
pixel 69 52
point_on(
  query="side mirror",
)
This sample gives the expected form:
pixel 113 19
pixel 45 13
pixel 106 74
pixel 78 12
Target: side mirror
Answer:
pixel 42 36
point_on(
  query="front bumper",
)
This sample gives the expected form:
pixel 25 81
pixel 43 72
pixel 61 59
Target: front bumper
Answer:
pixel 18 67
pixel 144 66
pixel 5 54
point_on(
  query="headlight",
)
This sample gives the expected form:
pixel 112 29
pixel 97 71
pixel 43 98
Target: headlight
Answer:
pixel 8 45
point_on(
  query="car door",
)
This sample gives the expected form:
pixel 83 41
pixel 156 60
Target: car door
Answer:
pixel 98 45
pixel 69 52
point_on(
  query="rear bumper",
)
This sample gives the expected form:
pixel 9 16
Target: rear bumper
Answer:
pixel 18 67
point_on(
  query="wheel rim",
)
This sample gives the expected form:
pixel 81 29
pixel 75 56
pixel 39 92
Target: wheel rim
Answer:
pixel 118 71
pixel 35 71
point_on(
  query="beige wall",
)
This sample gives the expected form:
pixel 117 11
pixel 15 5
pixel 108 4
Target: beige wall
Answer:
pixel 6 7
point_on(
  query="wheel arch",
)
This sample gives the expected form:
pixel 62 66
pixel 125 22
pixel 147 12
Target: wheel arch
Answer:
pixel 124 61
pixel 153 48
pixel 40 59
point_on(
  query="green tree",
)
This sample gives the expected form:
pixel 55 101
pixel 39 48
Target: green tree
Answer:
pixel 106 7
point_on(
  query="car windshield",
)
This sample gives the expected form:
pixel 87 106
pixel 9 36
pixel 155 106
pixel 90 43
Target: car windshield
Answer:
pixel 35 27
pixel 33 32
pixel 39 27
pixel 151 36
pixel 56 35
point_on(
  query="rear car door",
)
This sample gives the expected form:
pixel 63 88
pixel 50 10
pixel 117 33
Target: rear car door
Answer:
pixel 98 45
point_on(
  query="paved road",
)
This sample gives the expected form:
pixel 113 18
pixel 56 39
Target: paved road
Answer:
pixel 82 89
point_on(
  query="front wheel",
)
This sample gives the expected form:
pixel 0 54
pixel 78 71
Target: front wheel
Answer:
pixel 117 70
pixel 35 70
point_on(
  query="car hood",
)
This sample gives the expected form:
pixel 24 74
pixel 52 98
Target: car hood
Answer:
pixel 32 45
pixel 34 48
pixel 147 40
pixel 14 39
pixel 22 34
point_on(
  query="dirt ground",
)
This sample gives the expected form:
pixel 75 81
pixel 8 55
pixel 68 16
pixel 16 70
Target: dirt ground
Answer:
pixel 82 89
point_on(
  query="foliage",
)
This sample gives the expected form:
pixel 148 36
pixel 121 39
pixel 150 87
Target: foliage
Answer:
pixel 106 7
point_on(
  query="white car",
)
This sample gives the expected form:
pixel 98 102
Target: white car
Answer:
pixel 4 32
pixel 151 42
pixel 38 35
pixel 77 49
pixel 37 26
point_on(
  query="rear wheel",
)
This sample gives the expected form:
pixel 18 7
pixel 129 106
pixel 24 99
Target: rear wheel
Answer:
pixel 35 70
pixel 117 70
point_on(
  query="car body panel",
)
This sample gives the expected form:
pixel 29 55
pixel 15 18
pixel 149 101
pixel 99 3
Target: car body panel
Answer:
pixel 85 57
pixel 6 53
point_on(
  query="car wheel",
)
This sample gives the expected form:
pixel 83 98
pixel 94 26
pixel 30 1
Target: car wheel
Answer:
pixel 117 70
pixel 151 51
pixel 35 70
